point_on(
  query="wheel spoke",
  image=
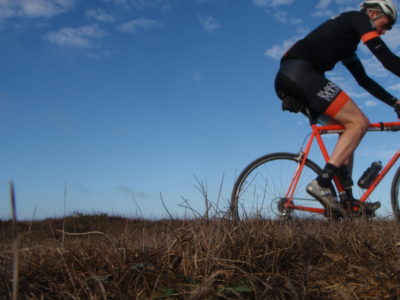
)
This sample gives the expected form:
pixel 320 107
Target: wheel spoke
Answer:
pixel 260 188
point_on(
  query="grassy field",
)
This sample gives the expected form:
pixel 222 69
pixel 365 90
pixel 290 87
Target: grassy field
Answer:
pixel 105 257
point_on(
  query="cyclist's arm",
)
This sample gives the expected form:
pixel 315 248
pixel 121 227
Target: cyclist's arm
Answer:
pixel 389 60
pixel 353 64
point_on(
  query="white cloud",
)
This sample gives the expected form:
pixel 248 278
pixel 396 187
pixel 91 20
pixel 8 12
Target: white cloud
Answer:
pixel 209 24
pixel 395 87
pixel 342 79
pixel 323 4
pixel 326 13
pixel 282 17
pixel 33 8
pixel 323 10
pixel 336 76
pixel 81 37
pixel 197 76
pixel 281 2
pixel 296 21
pixel 391 38
pixel 261 2
pixel 272 3
pixel 348 2
pixel 117 2
pixel 277 51
pixel 141 4
pixel 374 67
pixel 356 95
pixel 370 103
pixel 381 152
pixel 141 23
pixel 330 8
pixel 99 15
pixel 205 1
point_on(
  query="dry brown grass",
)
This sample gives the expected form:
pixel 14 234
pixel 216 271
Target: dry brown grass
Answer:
pixel 104 257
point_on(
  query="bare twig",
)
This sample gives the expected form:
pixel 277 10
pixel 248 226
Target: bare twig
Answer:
pixel 103 290
pixel 196 214
pixel 137 205
pixel 162 201
pixel 16 243
pixel 33 217
pixel 219 193
pixel 63 228
pixel 87 233
pixel 68 271
pixel 202 188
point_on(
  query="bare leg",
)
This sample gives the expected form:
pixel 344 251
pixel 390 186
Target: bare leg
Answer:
pixel 350 161
pixel 355 124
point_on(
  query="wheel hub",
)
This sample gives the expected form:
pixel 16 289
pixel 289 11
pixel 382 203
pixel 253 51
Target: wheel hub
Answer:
pixel 282 208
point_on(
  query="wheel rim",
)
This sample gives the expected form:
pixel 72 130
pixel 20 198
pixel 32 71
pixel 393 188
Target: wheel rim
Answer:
pixel 262 186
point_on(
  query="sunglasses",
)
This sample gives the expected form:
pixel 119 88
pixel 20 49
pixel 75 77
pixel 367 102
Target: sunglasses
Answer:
pixel 388 25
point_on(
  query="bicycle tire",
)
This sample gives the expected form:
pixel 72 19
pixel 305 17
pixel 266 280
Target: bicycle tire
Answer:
pixel 250 194
pixel 394 195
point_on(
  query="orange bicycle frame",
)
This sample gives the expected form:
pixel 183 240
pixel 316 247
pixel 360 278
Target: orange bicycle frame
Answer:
pixel 316 133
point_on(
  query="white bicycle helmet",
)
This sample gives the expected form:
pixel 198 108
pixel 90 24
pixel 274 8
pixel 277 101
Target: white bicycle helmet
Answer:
pixel 387 6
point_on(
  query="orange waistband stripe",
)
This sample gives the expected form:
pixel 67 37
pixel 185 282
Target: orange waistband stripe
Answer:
pixel 369 36
pixel 337 104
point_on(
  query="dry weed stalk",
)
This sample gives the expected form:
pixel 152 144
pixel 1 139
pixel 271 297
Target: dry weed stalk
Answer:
pixel 63 228
pixel 15 280
pixel 33 218
pixel 208 259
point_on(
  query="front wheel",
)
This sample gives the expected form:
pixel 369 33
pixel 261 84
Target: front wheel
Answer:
pixel 395 195
pixel 259 191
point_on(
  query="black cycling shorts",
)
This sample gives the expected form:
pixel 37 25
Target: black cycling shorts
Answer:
pixel 299 79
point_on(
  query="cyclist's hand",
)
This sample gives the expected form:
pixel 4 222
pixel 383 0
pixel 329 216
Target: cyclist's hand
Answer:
pixel 397 108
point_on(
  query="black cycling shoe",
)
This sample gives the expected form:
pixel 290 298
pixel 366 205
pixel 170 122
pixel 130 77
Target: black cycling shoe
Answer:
pixel 371 207
pixel 364 208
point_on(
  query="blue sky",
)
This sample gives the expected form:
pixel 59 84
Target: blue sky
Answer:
pixel 127 101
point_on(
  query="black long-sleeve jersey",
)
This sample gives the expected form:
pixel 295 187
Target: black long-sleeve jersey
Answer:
pixel 337 40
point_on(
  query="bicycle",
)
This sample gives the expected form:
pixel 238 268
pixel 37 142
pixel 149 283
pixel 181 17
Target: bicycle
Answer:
pixel 280 179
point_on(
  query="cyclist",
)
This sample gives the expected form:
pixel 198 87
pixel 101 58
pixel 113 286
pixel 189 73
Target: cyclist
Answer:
pixel 302 86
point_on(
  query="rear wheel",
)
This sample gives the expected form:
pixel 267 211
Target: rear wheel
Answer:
pixel 395 190
pixel 259 191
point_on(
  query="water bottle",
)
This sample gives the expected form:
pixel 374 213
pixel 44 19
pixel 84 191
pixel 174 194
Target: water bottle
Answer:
pixel 369 175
